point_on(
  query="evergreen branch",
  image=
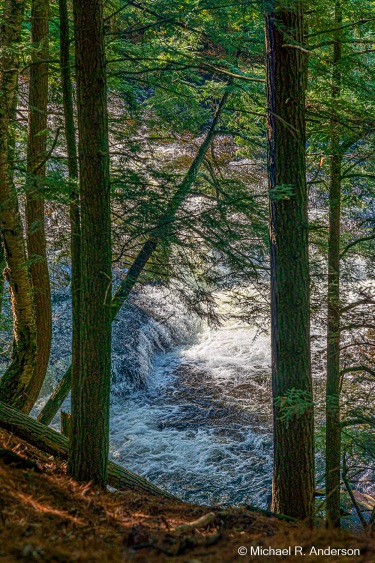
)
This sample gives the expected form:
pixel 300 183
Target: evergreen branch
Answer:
pixel 358 421
pixel 48 155
pixel 357 368
pixel 334 29
pixel 355 242
pixel 368 301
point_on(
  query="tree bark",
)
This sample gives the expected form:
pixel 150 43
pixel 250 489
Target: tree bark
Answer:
pixel 293 474
pixel 88 457
pixel 333 427
pixel 62 390
pixel 36 171
pixel 2 266
pixel 66 424
pixel 74 211
pixel 17 383
pixel 57 398
pixel 162 230
pixel 56 444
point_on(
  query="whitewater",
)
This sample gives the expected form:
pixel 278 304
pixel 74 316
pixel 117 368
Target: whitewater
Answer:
pixel 190 405
pixel 197 430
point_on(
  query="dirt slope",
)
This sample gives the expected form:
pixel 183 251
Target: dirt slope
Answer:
pixel 44 516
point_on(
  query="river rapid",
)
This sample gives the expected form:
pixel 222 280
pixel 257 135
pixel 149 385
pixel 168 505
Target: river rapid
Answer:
pixel 201 429
pixel 190 405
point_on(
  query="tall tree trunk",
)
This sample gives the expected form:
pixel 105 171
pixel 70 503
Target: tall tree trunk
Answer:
pixel 293 474
pixel 36 168
pixel 88 457
pixel 2 266
pixel 11 152
pixel 163 230
pixel 17 383
pixel 75 226
pixel 333 428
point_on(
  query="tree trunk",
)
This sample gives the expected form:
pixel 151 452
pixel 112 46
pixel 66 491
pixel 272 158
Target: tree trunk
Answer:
pixel 57 398
pixel 56 444
pixel 75 224
pixel 66 424
pixel 2 266
pixel 17 383
pixel 165 226
pixel 11 152
pixel 62 390
pixel 36 169
pixel 293 474
pixel 162 230
pixel 333 428
pixel 88 457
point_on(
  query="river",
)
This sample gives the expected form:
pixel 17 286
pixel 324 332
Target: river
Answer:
pixel 191 405
pixel 201 428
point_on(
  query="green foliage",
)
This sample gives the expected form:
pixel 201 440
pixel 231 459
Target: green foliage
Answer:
pixel 293 404
pixel 282 191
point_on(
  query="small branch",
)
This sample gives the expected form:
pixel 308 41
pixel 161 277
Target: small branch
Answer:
pixel 333 29
pixel 345 176
pixel 359 240
pixel 354 369
pixel 347 485
pixel 200 523
pixel 48 156
pixel 290 46
pixel 368 301
pixel 357 368
pixel 356 421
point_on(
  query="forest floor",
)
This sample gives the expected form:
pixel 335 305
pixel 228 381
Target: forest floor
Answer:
pixel 45 516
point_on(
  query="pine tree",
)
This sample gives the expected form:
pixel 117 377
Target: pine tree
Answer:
pixel 333 427
pixel 74 209
pixel 88 457
pixel 17 382
pixel 35 178
pixel 293 475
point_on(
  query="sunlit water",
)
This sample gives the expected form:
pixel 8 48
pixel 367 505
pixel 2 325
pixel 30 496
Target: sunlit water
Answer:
pixel 191 406
pixel 197 429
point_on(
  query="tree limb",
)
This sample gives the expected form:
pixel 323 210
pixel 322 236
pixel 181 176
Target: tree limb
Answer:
pixel 357 241
pixel 54 443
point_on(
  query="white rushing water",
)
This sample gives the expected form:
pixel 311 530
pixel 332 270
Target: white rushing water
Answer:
pixel 190 405
pixel 196 430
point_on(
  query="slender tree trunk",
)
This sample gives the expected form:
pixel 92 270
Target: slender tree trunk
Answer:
pixel 88 459
pixel 11 152
pixel 57 398
pixel 36 169
pixel 17 383
pixel 163 229
pixel 333 428
pixel 166 225
pixel 293 475
pixel 2 266
pixel 75 225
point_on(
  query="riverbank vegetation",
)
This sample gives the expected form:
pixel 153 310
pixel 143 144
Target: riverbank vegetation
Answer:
pixel 206 148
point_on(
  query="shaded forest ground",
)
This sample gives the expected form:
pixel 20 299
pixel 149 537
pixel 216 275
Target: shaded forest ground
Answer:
pixel 45 516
